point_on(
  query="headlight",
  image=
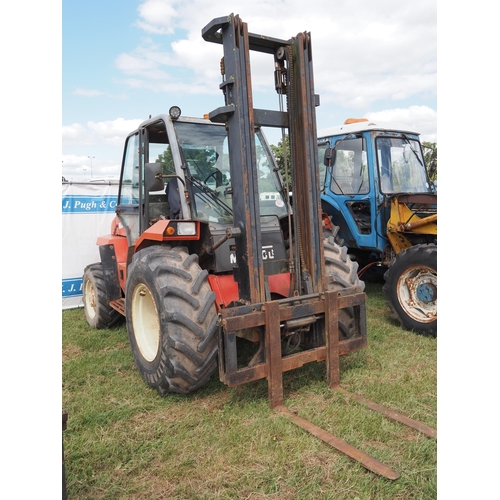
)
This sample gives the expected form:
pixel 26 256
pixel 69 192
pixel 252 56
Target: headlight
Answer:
pixel 186 228
pixel 174 112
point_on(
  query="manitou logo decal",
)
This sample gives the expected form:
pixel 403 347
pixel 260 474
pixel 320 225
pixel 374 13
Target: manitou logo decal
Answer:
pixel 78 204
pixel 267 254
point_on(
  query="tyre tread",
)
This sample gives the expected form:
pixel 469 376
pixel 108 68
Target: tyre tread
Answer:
pixel 188 319
pixel 341 273
pixel 106 316
pixel 422 253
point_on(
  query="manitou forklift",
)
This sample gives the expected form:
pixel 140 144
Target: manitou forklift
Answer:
pixel 206 259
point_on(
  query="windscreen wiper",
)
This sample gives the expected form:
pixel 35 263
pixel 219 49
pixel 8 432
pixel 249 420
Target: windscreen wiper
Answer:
pixel 411 147
pixel 211 195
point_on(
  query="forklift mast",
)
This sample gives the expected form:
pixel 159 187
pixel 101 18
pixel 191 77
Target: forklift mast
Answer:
pixel 309 307
pixel 293 78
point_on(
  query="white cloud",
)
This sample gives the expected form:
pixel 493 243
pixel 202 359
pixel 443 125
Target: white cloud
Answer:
pixel 97 93
pixel 363 51
pixel 111 132
pixel 75 133
pixel 157 16
pixel 87 92
pixel 420 119
pixel 366 55
pixel 114 132
pixel 142 63
pixel 349 91
pixel 181 69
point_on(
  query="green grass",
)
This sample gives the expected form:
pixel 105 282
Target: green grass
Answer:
pixel 124 441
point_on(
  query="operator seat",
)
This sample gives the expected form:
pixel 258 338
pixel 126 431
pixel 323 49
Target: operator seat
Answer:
pixel 173 198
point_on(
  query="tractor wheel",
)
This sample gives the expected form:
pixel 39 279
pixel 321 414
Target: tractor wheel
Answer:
pixel 171 319
pixel 341 272
pixel 95 303
pixel 411 288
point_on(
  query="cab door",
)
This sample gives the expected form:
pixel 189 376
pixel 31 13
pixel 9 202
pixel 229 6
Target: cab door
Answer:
pixel 130 209
pixel 346 193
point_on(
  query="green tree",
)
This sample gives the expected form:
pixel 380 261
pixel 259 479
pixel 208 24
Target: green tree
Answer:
pixel 279 155
pixel 430 156
pixel 201 161
pixel 167 162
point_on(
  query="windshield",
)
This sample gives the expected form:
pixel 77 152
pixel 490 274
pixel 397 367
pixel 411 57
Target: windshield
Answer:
pixel 205 150
pixel 401 166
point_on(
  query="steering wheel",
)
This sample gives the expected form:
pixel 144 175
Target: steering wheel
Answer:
pixel 211 175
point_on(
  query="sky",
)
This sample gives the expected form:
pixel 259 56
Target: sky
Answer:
pixel 125 60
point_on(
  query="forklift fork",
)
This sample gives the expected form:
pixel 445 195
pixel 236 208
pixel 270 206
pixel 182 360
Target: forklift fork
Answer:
pixel 270 316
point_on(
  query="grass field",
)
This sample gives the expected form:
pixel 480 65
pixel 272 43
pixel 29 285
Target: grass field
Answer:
pixel 125 442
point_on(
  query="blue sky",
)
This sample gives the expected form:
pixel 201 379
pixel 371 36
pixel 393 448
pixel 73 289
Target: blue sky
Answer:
pixel 125 60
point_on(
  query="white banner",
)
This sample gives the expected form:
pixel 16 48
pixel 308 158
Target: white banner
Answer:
pixel 87 212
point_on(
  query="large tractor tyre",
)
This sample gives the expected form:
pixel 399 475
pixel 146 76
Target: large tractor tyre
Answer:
pixel 341 272
pixel 411 288
pixel 171 319
pixel 95 303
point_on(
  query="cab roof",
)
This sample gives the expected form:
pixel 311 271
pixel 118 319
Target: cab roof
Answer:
pixel 360 126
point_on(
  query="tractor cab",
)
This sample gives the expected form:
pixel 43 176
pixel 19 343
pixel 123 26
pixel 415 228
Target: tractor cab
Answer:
pixel 177 169
pixel 363 166
pixel 376 189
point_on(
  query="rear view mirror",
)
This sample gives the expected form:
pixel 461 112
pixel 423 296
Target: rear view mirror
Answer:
pixel 153 177
pixel 330 154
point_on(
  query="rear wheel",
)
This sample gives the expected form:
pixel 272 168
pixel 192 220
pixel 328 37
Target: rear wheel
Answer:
pixel 341 272
pixel 171 319
pixel 411 288
pixel 95 303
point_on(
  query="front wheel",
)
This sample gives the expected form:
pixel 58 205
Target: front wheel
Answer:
pixel 411 288
pixel 341 273
pixel 171 319
pixel 98 313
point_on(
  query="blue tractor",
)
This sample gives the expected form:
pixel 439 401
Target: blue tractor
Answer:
pixel 377 196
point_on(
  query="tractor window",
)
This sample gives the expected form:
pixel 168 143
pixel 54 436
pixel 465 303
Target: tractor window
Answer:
pixel 270 199
pixel 401 166
pixel 205 150
pixel 322 167
pixel 129 189
pixel 349 174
